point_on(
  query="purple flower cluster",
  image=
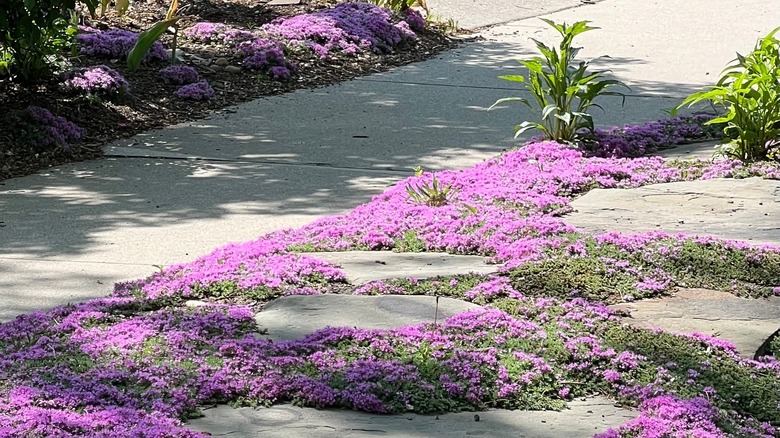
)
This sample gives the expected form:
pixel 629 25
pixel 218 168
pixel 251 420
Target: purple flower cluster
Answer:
pixel 100 80
pixel 114 44
pixel 258 52
pixel 206 32
pixel 414 19
pixel 266 55
pixel 249 266
pixel 104 368
pixel 638 140
pixel 517 197
pixel 670 416
pixel 52 130
pixel 349 27
pixel 179 74
pixel 200 90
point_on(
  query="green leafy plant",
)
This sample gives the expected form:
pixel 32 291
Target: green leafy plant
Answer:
pixel 432 194
pixel 398 5
pixel 563 91
pixel 447 26
pixel 33 33
pixel 149 36
pixel 749 90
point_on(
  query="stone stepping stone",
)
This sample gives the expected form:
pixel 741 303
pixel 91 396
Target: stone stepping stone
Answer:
pixel 742 209
pixel 293 317
pixel 365 266
pixel 699 150
pixel 746 322
pixel 583 419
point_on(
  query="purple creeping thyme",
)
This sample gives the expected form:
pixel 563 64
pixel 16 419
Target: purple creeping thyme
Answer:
pixel 638 140
pixel 348 27
pixel 115 44
pixel 669 416
pixel 179 75
pixel 100 80
pixel 267 56
pixel 51 130
pixel 414 19
pixel 138 363
pixel 200 90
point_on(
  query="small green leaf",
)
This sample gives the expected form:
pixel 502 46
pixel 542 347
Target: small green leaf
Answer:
pixel 508 99
pixel 513 78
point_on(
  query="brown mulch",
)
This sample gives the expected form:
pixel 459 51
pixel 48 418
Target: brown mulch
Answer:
pixel 151 103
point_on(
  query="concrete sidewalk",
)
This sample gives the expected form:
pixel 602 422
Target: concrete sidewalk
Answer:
pixel 171 195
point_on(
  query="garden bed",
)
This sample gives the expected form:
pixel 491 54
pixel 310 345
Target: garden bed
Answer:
pixel 151 103
pixel 142 360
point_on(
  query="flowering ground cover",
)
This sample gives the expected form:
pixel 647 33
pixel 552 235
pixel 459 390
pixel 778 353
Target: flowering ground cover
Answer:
pixel 140 363
pixel 239 50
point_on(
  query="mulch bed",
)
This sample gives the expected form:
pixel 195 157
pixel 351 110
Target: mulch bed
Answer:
pixel 151 103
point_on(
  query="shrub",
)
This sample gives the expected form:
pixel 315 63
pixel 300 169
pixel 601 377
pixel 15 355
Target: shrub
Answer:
pixel 179 74
pixel 198 91
pixel 563 92
pixel 45 129
pixel 749 90
pixel 99 80
pixel 32 34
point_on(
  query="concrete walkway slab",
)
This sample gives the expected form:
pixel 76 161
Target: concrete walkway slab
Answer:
pixel 115 219
pixel 745 322
pixel 293 317
pixel 365 266
pixel 480 13
pixel 742 209
pixel 583 419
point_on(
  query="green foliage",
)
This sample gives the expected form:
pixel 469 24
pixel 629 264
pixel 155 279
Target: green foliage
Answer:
pixel 670 357
pixel 570 277
pixel 231 291
pixel 562 91
pixel 394 5
pixel 149 36
pixel 608 273
pixel 410 243
pixel 432 194
pixel 33 33
pixel 749 90
pixel 447 26
pixel 774 346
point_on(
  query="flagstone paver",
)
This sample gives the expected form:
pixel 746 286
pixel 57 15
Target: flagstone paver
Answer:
pixel 293 317
pixel 745 322
pixel 365 266
pixel 746 209
pixel 582 419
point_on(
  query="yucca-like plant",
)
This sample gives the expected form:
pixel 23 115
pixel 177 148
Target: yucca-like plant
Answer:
pixel 432 194
pixel 562 90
